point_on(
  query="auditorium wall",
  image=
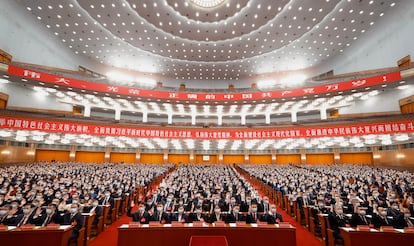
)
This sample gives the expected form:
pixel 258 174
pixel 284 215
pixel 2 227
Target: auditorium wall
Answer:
pixel 178 158
pixel 288 159
pixel 382 45
pixel 376 104
pixel 52 155
pixel 233 159
pixel 356 158
pixel 395 158
pixel 12 154
pixel 401 158
pixel 260 159
pixel 152 158
pixel 201 159
pixel 127 158
pixel 27 40
pixel 21 96
pixel 320 159
pixel 90 157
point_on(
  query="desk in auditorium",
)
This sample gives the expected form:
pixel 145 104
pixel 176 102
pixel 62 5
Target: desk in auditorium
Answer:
pixel 365 238
pixel 36 237
pixel 180 235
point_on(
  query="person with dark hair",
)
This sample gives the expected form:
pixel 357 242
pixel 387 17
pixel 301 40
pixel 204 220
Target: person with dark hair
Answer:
pixel 141 215
pixel 74 218
pixel 198 215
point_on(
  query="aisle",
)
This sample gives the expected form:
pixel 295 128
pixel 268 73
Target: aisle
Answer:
pixel 109 237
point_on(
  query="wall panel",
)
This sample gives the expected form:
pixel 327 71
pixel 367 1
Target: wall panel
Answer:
pixel 356 158
pixel 199 159
pixel 260 159
pixel 90 157
pixel 127 158
pixel 320 159
pixel 152 158
pixel 230 159
pixel 15 154
pixel 50 155
pixel 288 159
pixel 179 158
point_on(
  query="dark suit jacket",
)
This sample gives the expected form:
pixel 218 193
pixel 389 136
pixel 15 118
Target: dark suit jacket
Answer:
pixel 41 219
pixel 104 201
pixel 244 207
pixel 143 218
pixel 357 220
pixel 335 222
pixel 12 220
pixel 193 217
pixel 184 217
pixel 68 220
pixel 272 219
pixel 21 217
pixel 250 218
pixel 164 217
pixel 213 217
pixel 378 220
pixel 231 217
pixel 398 221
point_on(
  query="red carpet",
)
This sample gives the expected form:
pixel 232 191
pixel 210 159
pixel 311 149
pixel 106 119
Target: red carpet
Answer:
pixel 109 237
pixel 303 236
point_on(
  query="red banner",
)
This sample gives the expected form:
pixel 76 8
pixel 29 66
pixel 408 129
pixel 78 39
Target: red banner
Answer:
pixel 187 96
pixel 212 134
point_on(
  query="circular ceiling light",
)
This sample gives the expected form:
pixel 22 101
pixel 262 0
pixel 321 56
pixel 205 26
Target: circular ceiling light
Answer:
pixel 207 3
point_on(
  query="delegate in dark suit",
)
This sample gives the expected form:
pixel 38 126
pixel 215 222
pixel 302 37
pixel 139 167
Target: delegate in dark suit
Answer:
pixel 140 216
pixel 234 217
pixel 335 222
pixel 180 218
pixel 358 219
pixel 381 220
pixel 252 218
pixel 198 217
pixel 272 218
pixel 162 217
pixel 76 220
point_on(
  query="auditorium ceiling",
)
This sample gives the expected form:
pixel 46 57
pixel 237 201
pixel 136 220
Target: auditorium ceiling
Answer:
pixel 204 41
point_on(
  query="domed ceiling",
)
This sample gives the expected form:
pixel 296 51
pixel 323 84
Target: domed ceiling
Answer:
pixel 204 41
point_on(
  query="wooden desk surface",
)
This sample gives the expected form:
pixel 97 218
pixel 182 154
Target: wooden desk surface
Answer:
pixel 42 236
pixel 364 238
pixel 180 235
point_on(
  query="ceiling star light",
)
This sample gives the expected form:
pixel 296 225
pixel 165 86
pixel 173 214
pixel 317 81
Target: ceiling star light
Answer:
pixel 207 3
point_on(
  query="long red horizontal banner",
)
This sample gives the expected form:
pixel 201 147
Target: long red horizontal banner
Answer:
pixel 212 134
pixel 187 96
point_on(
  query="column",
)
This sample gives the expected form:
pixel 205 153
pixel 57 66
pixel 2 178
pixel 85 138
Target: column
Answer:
pixel 302 156
pixel 72 153
pixel 138 156
pixel 117 114
pixel 219 120
pixel 267 118
pixel 323 114
pixel 107 154
pixel 144 116
pixel 243 119
pixel 294 116
pixel 87 111
pixel 169 118
pixel 193 119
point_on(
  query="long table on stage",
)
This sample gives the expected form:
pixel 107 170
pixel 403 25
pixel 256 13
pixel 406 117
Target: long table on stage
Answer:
pixel 43 236
pixel 354 237
pixel 179 235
